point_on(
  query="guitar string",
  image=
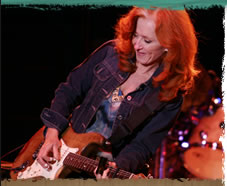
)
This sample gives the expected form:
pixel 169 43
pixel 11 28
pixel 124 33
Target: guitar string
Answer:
pixel 121 173
pixel 80 159
pixel 85 160
pixel 92 165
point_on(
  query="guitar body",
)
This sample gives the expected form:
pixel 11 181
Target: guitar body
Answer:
pixel 71 142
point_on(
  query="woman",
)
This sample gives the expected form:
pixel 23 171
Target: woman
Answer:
pixel 148 67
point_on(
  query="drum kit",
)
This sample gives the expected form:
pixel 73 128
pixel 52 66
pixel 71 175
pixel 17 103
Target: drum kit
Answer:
pixel 193 148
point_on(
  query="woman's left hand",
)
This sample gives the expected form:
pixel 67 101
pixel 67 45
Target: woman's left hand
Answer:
pixel 105 172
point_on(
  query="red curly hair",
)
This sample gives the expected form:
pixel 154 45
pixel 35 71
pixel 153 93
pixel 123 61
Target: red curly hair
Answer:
pixel 176 33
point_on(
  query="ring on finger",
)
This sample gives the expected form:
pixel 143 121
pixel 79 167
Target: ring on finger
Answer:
pixel 46 165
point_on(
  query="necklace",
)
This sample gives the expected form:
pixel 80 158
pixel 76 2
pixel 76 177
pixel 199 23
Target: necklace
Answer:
pixel 117 95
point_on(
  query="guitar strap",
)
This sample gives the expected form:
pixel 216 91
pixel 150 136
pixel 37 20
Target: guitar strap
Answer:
pixel 151 106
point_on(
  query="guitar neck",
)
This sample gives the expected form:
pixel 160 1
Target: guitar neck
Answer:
pixel 86 164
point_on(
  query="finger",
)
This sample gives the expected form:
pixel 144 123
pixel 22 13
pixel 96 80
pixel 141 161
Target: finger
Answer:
pixel 48 162
pixel 105 173
pixel 98 176
pixel 95 171
pixel 47 158
pixel 43 159
pixel 103 176
pixel 112 164
pixel 43 163
pixel 149 176
pixel 56 152
pixel 50 159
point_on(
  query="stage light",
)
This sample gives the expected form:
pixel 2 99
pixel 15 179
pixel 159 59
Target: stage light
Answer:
pixel 217 100
pixel 185 144
pixel 181 138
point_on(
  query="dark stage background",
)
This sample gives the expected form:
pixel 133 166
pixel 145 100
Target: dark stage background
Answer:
pixel 41 45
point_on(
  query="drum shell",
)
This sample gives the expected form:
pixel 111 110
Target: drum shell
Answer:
pixel 204 158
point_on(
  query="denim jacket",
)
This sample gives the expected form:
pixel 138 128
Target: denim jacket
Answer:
pixel 81 95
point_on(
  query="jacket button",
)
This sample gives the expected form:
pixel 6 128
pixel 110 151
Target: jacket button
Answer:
pixel 129 98
pixel 119 117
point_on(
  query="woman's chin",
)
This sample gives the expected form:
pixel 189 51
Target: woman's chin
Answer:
pixel 144 63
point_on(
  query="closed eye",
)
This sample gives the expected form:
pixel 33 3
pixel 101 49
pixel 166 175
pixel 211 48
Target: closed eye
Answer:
pixel 147 41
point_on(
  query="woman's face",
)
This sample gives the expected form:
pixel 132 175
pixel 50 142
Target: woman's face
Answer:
pixel 145 42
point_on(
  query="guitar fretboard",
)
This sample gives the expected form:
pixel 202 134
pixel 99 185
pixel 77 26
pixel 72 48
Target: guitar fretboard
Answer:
pixel 86 164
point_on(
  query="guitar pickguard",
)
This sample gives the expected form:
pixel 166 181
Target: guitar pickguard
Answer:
pixel 36 170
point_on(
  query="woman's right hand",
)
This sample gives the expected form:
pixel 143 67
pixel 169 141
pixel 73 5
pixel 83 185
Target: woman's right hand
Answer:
pixel 49 152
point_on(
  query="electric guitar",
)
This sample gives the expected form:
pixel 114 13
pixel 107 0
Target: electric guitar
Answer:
pixel 73 145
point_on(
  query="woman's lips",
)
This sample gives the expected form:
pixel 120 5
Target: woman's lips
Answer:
pixel 140 53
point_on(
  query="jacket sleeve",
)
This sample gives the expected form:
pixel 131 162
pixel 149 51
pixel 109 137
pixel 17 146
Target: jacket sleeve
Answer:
pixel 72 92
pixel 135 154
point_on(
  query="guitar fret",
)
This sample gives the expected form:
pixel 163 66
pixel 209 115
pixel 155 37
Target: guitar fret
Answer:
pixel 80 163
pixel 84 165
pixel 90 168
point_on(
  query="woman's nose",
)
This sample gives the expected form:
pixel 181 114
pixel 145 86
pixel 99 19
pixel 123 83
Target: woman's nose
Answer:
pixel 137 44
